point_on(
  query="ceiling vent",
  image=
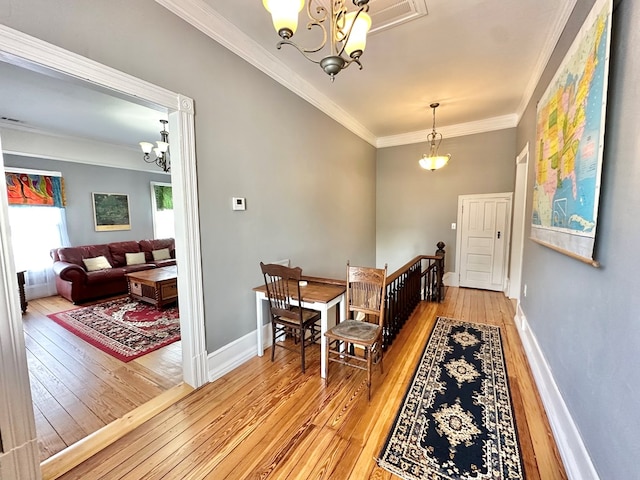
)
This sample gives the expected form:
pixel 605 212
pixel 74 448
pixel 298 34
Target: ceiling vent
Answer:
pixel 386 14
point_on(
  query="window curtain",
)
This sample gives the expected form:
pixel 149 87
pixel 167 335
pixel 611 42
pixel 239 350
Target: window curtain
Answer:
pixel 35 189
pixel 38 224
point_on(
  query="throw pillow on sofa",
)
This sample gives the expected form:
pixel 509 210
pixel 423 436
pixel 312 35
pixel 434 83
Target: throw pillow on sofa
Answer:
pixel 162 254
pixel 135 258
pixel 96 263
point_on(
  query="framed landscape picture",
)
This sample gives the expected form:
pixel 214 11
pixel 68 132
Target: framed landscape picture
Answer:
pixel 111 211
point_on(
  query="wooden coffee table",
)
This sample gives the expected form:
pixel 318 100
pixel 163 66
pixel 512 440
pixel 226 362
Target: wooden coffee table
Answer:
pixel 157 286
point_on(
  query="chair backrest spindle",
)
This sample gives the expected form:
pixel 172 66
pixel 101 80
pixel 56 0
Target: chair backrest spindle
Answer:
pixel 283 284
pixel 365 293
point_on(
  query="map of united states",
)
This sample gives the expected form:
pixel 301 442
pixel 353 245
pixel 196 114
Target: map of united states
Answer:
pixel 569 138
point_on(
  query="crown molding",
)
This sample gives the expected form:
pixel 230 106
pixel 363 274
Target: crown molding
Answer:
pixel 30 129
pixel 459 130
pixel 203 17
pixel 545 54
pixel 29 141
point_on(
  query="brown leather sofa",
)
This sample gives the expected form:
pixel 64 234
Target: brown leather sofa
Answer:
pixel 75 283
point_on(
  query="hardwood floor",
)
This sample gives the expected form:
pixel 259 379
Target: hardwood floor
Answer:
pixel 268 420
pixel 78 389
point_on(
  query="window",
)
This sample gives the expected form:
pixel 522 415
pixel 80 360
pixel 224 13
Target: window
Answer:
pixel 38 224
pixel 162 206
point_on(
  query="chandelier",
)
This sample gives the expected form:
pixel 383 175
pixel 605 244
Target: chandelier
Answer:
pixel 161 152
pixel 346 31
pixel 433 161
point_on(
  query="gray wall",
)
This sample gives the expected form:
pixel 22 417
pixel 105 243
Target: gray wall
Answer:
pixel 309 183
pixel 81 180
pixel 415 207
pixel 586 319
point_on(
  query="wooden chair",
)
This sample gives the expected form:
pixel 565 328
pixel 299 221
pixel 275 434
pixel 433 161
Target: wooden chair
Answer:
pixel 283 286
pixel 365 301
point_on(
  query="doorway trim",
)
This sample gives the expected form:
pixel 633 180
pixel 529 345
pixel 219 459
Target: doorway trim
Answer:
pixel 518 224
pixel 29 52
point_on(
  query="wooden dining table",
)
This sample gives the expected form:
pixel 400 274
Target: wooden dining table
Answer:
pixel 316 295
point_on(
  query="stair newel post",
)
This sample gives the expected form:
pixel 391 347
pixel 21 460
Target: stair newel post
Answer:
pixel 440 286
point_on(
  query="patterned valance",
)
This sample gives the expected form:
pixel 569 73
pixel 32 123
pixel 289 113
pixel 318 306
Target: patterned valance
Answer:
pixel 35 189
pixel 164 197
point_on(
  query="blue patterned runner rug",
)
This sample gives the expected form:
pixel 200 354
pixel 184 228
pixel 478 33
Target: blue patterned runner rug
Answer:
pixel 456 420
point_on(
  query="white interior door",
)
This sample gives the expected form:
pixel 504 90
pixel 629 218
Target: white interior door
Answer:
pixel 483 239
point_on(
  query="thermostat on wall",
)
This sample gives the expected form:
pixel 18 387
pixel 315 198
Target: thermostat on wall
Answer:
pixel 239 203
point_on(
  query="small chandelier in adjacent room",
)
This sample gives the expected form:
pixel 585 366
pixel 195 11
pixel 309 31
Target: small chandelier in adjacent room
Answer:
pixel 161 152
pixel 345 31
pixel 433 161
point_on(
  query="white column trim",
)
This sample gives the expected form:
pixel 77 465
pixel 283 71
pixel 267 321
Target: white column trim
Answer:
pixel 17 426
pixel 519 223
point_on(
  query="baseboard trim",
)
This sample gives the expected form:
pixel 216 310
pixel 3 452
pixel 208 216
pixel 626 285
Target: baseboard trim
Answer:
pixel 232 355
pixel 575 457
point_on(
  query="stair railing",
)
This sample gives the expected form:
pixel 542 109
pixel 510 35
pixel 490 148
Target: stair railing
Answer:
pixel 419 279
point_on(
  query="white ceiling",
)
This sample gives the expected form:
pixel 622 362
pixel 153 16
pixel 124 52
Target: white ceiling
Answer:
pixel 479 58
pixel 47 102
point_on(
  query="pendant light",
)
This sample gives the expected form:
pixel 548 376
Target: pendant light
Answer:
pixel 432 161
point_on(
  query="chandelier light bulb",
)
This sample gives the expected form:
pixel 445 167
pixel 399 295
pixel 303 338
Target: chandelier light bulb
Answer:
pixel 358 25
pixel 146 147
pixel 163 146
pixel 284 14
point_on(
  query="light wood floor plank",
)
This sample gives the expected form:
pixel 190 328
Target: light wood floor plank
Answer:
pixel 269 421
pixel 78 389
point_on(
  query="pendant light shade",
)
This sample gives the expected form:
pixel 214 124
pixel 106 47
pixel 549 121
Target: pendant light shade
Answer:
pixel 284 14
pixel 433 161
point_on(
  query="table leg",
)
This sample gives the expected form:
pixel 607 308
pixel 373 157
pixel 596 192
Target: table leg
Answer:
pixel 324 320
pixel 259 327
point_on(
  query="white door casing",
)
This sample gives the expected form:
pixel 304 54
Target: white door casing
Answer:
pixel 19 455
pixel 482 242
pixel 16 418
pixel 518 224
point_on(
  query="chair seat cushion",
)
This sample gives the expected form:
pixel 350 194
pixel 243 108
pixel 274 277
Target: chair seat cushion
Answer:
pixel 355 331
pixel 307 316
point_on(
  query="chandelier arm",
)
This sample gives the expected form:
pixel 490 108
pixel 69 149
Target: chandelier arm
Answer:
pixel 317 18
pixel 310 25
pixel 320 12
pixel 301 50
pixel 352 60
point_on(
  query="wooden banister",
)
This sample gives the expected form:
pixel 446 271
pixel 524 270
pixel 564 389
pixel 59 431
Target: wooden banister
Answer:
pixel 419 279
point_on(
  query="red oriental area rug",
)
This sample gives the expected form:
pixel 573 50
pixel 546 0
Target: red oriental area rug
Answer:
pixel 123 328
